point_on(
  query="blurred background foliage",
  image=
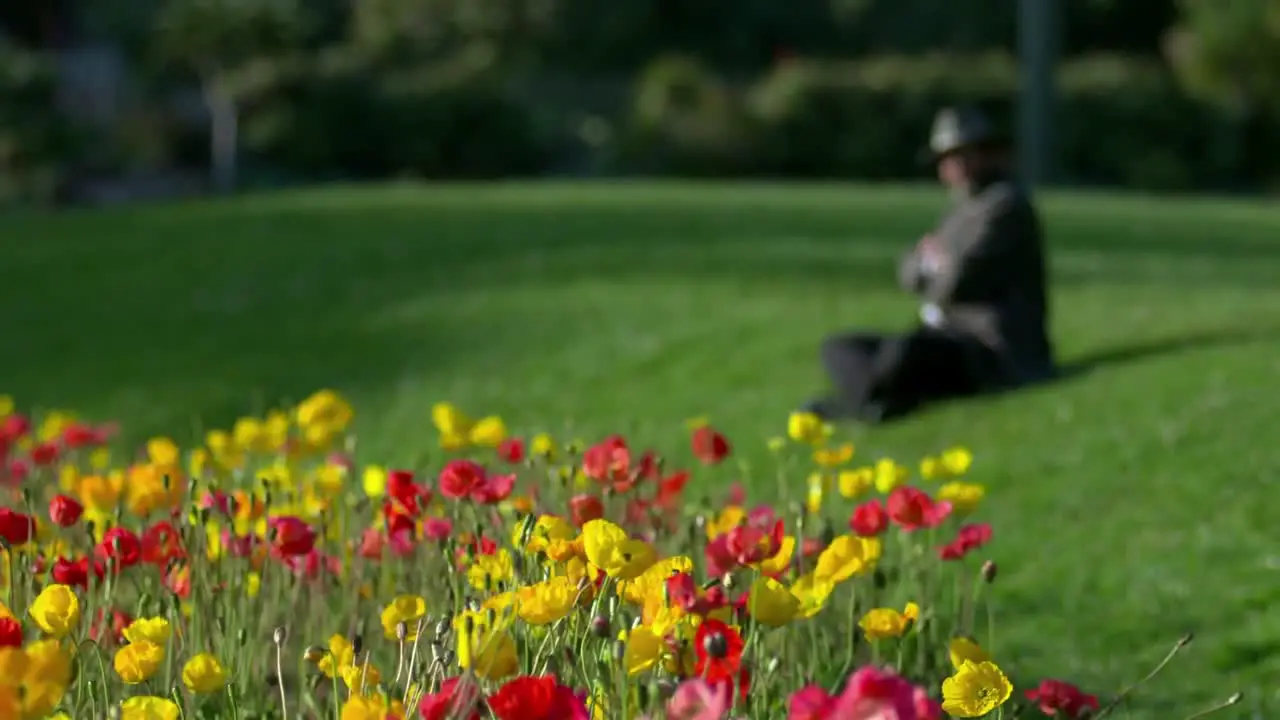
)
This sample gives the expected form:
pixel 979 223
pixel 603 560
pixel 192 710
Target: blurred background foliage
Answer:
pixel 1153 94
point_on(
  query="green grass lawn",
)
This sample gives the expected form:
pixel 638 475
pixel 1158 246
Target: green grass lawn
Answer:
pixel 1134 502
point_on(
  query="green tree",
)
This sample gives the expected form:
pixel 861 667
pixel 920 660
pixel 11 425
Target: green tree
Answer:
pixel 508 31
pixel 1229 50
pixel 213 39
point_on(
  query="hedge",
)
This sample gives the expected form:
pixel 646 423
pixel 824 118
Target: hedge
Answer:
pixel 1121 122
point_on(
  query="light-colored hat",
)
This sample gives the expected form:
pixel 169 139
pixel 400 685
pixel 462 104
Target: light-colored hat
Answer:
pixel 958 128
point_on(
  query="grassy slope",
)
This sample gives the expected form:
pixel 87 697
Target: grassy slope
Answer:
pixel 1132 502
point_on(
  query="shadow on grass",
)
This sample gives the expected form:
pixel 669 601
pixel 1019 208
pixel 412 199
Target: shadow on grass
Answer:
pixel 1119 356
pixel 1190 342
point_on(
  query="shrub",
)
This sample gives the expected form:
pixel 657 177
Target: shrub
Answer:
pixel 264 568
pixel 36 140
pixel 1120 121
pixel 683 120
pixel 343 115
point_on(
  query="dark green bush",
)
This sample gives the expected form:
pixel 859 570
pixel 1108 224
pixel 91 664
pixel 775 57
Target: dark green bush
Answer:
pixel 684 120
pixel 342 116
pixel 37 142
pixel 1119 122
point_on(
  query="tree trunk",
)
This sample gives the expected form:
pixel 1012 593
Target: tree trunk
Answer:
pixel 223 137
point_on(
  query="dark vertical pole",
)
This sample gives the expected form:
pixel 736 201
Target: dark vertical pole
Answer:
pixel 1039 34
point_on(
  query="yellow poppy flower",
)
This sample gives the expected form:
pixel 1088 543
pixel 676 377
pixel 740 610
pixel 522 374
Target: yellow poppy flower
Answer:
pixel 488 432
pixel 547 601
pixel 808 428
pixel 149 707
pixel 204 675
pixel 56 610
pixel 886 623
pixel 963 649
pixel 847 556
pixel 153 630
pixel 833 457
pixel 609 548
pixel 137 662
pixel 772 604
pixel 407 609
pixel 975 690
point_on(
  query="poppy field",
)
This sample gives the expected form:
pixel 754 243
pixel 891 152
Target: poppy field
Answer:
pixel 1130 505
pixel 264 573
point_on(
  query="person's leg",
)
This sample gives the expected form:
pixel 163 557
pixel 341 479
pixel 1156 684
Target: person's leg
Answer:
pixel 849 361
pixel 922 367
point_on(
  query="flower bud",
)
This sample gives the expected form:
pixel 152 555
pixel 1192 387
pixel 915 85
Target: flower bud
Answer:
pixel 280 635
pixel 716 645
pixel 664 689
pixel 600 626
pixel 988 571
pixel 402 631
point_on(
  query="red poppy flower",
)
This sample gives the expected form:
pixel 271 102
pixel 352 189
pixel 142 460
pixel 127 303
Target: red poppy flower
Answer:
pixel 16 528
pixel 437 528
pixel 926 707
pixel 869 519
pixel 1059 699
pixel 671 488
pixel 121 545
pixel 459 478
pixel 719 651
pixel 536 698
pixel 709 445
pixel 649 466
pixel 14 427
pixel 974 536
pixel 109 629
pixel 162 543
pixel 78 435
pixel 291 536
pixel 968 539
pixel 585 508
pixel 17 471
pixel 682 591
pixel 638 512
pixel 45 454
pixel 913 509
pixel 396 518
pixel 493 489
pixel 10 633
pixel 511 450
pixel 458 699
pixel 65 511
pixel 609 461
pixel 743 545
pixel 402 489
pixel 178 580
pixel 75 573
pixel 469 546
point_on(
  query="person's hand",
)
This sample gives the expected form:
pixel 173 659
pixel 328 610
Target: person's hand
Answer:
pixel 929 252
pixel 928 247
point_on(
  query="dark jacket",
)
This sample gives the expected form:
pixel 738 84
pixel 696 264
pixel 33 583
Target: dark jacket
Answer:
pixel 991 282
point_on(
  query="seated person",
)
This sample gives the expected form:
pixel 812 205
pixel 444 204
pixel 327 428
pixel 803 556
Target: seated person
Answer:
pixel 981 276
